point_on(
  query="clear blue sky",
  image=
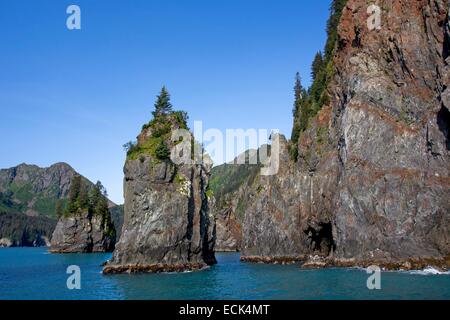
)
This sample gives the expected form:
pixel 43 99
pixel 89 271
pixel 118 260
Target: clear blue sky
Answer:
pixel 78 96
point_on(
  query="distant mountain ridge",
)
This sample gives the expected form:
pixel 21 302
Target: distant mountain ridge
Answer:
pixel 33 190
pixel 28 197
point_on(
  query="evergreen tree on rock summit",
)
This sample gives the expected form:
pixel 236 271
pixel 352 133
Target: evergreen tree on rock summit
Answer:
pixel 162 104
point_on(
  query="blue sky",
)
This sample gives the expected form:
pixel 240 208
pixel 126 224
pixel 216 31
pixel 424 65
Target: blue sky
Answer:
pixel 78 96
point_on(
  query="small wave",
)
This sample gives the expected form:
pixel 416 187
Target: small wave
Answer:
pixel 428 271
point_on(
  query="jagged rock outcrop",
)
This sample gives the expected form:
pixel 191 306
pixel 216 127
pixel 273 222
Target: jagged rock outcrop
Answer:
pixel 84 233
pixel 271 225
pixel 372 183
pixel 167 224
pixel 85 223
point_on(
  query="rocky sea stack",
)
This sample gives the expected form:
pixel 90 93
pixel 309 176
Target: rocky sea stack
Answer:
pixel 85 224
pixel 167 225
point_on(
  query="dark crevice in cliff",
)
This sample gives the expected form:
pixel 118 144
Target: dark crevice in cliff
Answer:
pixel 446 47
pixel 191 212
pixel 356 43
pixel 207 254
pixel 90 245
pixel 321 238
pixel 443 121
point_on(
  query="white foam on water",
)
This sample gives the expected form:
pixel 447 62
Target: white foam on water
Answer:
pixel 428 271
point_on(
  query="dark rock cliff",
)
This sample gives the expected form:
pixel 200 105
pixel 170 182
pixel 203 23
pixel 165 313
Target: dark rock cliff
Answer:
pixel 167 224
pixel 372 179
pixel 84 233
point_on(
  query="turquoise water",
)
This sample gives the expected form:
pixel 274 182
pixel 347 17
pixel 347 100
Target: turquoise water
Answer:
pixel 32 273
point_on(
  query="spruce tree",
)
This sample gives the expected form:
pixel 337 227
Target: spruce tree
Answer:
pixel 75 188
pixel 298 92
pixel 95 196
pixel 83 198
pixel 299 95
pixel 162 104
pixel 74 193
pixel 317 65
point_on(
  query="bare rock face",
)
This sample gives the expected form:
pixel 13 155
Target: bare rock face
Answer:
pixel 167 225
pixel 228 231
pixel 82 233
pixel 372 181
pixel 271 224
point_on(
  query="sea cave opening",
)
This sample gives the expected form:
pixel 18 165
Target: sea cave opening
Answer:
pixel 321 238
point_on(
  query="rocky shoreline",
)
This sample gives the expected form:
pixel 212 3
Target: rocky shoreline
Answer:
pixel 441 264
pixel 273 260
pixel 317 262
pixel 154 268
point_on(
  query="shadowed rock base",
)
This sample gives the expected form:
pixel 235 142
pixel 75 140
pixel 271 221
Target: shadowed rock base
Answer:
pixel 442 264
pixel 154 268
pixel 75 250
pixel 273 260
pixel 316 262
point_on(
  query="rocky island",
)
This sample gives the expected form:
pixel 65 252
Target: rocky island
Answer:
pixel 167 224
pixel 85 224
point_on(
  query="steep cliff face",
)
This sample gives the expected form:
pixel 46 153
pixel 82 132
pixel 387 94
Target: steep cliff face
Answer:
pixel 167 224
pixel 372 178
pixel 228 230
pixel 83 232
pixel 271 228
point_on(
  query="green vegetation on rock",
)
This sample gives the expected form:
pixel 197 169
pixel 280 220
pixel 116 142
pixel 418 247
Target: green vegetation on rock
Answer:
pixel 309 102
pixel 156 134
pixel 227 178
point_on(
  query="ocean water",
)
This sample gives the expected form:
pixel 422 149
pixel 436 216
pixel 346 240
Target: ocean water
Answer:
pixel 32 273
